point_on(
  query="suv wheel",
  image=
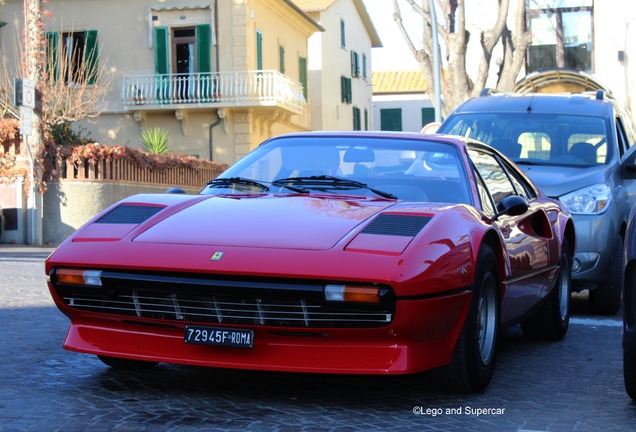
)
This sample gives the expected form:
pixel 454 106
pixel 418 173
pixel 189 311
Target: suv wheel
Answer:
pixel 606 298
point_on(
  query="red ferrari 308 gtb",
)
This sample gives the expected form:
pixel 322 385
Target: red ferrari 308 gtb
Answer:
pixel 354 253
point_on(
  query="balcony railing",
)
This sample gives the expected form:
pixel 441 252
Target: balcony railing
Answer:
pixel 223 89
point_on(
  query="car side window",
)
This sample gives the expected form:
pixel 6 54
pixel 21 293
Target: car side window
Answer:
pixel 484 197
pixel 495 177
pixel 521 186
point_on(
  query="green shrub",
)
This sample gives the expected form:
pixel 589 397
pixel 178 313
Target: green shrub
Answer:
pixel 156 140
pixel 63 134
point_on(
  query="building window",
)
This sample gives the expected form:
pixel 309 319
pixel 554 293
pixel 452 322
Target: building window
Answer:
pixel 281 58
pixel 182 50
pixel 391 119
pixel 355 64
pixel 73 56
pixel 302 74
pixel 366 119
pixel 345 90
pixel 356 119
pixel 342 34
pixel 428 116
pixel 259 50
pixel 562 34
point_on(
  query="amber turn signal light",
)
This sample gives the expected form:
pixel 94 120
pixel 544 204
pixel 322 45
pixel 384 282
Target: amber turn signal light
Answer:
pixel 79 277
pixel 355 294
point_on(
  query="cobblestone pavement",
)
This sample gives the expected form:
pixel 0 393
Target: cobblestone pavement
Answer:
pixel 573 385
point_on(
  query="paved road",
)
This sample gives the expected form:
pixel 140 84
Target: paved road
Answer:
pixel 573 385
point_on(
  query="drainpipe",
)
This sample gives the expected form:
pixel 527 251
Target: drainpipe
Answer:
pixel 220 113
pixel 219 116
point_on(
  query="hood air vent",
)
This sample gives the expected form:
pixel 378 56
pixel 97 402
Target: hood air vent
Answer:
pixel 129 214
pixel 397 225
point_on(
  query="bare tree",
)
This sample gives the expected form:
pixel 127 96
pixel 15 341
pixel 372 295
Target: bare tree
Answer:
pixel 457 84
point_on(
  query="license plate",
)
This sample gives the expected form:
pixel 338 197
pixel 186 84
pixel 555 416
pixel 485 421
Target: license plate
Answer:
pixel 215 336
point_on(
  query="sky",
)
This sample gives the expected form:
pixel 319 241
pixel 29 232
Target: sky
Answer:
pixel 395 54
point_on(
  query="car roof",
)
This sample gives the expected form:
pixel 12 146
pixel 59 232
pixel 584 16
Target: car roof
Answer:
pixel 546 103
pixel 458 141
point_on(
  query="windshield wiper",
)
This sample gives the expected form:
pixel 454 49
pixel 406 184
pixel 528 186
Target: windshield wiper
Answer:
pixel 231 181
pixel 333 182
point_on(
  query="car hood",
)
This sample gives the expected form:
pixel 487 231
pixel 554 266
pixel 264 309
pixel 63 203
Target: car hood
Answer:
pixel 264 221
pixel 556 181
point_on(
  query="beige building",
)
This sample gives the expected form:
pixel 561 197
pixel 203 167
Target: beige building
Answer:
pixel 220 76
pixel 340 64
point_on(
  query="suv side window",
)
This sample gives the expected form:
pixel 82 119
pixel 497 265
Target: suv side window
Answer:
pixel 621 136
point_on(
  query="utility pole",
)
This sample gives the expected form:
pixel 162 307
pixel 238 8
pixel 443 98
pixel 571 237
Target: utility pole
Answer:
pixel 34 58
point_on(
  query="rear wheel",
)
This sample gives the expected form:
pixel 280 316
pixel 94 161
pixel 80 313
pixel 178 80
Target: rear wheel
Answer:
pixel 120 363
pixel 475 354
pixel 552 320
pixel 606 298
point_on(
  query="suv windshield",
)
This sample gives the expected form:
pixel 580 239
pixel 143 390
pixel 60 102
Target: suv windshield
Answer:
pixel 531 138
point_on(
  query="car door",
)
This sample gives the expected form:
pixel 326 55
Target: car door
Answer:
pixel 527 257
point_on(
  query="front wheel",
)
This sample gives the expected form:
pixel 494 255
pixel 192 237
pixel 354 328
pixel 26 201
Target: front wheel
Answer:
pixel 606 298
pixel 475 354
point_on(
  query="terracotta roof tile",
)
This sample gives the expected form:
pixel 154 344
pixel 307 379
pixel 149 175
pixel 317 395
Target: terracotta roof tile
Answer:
pixel 398 82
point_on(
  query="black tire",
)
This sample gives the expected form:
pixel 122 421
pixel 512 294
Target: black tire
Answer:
pixel 606 298
pixel 120 363
pixel 475 354
pixel 552 320
pixel 629 375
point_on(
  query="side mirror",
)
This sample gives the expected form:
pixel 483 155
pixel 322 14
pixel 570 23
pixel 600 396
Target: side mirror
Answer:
pixel 513 205
pixel 175 190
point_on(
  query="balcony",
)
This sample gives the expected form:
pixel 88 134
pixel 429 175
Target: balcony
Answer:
pixel 266 88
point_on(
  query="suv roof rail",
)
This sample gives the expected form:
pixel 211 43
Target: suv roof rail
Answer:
pixel 487 91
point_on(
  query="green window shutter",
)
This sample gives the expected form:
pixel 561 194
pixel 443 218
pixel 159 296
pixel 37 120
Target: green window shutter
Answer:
pixel 281 57
pixel 259 50
pixel 52 41
pixel 203 33
pixel 366 119
pixel 356 118
pixel 355 68
pixel 364 66
pixel 391 119
pixel 345 89
pixel 161 50
pixel 428 116
pixel 91 55
pixel 342 34
pixel 302 67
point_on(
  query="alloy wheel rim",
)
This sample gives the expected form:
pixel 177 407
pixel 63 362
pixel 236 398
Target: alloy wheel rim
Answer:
pixel 486 319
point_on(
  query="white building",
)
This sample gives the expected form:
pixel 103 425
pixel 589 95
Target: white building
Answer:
pixel 340 64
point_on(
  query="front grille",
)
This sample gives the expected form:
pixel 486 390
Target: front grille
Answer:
pixel 197 300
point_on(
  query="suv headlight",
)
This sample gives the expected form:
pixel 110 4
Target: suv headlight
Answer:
pixel 590 200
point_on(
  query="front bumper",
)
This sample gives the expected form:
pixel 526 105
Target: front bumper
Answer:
pixel 596 238
pixel 421 336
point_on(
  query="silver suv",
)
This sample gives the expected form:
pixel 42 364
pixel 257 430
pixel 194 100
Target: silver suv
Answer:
pixel 577 147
